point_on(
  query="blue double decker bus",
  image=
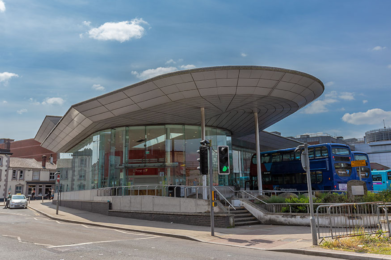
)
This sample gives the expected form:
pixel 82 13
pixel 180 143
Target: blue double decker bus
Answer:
pixel 330 166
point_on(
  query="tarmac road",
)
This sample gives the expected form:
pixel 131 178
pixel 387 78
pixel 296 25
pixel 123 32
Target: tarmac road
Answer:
pixel 25 234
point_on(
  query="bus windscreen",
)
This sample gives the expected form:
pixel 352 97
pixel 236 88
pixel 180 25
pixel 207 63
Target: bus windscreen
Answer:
pixel 340 151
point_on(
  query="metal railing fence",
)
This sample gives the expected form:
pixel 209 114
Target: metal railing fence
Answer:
pixel 351 219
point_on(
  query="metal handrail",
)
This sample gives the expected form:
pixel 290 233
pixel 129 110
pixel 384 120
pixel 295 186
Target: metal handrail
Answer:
pixel 230 205
pixel 242 191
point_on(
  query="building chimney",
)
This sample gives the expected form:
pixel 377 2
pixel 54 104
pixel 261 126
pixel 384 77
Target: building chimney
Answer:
pixel 51 158
pixel 44 161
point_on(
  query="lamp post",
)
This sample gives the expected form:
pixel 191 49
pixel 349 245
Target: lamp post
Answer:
pixel 58 191
pixel 305 162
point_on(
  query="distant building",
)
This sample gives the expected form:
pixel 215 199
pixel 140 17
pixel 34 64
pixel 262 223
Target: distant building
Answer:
pixel 377 144
pixel 5 156
pixel 26 175
pixel 320 138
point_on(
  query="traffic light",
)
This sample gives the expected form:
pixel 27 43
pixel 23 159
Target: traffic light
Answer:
pixel 203 160
pixel 223 160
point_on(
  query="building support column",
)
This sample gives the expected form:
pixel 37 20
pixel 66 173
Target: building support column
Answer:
pixel 259 173
pixel 204 177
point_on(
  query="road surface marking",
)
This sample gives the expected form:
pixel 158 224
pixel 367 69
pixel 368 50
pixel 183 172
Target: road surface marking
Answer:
pixel 88 243
pixel 35 218
pixel 145 238
pixel 129 233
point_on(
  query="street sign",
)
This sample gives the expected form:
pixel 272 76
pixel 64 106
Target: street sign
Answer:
pixel 58 178
pixel 359 163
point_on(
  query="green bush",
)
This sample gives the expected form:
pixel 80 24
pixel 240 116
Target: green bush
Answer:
pixel 275 199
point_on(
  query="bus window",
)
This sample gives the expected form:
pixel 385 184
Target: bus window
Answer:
pixel 321 152
pixel 311 153
pixel 289 179
pixel 286 157
pixel 365 171
pixel 376 178
pixel 340 151
pixel 266 179
pixel 255 159
pixel 266 158
pixel 317 177
pixel 343 169
pixel 389 175
pixel 358 157
pixel 276 157
pixel 325 152
pixel 298 155
pixel 318 152
pixel 278 179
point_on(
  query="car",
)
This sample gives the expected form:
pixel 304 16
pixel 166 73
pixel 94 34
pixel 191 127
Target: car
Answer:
pixel 18 201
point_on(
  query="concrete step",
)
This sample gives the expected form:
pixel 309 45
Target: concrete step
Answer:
pixel 243 215
pixel 240 211
pixel 245 219
pixel 247 223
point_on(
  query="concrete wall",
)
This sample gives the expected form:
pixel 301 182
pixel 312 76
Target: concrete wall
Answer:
pixel 142 203
pixel 92 206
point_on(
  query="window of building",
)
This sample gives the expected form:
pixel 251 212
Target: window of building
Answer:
pixel 18 189
pixel 51 176
pixel 35 176
pixel 83 161
pixel 21 175
pixel 14 174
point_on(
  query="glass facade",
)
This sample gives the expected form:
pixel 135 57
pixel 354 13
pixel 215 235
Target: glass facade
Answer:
pixel 140 155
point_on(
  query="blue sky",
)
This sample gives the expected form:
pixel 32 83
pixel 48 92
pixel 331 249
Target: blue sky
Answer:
pixel 55 53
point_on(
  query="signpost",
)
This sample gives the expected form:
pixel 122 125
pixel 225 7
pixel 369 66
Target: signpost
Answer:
pixel 58 191
pixel 305 163
pixel 359 164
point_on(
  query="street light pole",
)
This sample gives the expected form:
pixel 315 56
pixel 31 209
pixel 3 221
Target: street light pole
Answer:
pixel 58 191
pixel 305 161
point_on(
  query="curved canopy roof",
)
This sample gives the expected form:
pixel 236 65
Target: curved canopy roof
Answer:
pixel 229 95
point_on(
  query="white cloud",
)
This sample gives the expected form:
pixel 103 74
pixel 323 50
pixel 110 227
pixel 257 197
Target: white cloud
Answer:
pixel 365 101
pixel 121 31
pixel 98 87
pixel 389 66
pixel 378 48
pixel 87 23
pixel 2 6
pixel 6 76
pixel 243 54
pixel 170 61
pixel 342 95
pixel 34 102
pixel 188 67
pixel 53 101
pixel 329 84
pixel 21 111
pixel 150 73
pixel 342 109
pixel 4 102
pixel 346 96
pixel 371 117
pixel 81 35
pixel 319 106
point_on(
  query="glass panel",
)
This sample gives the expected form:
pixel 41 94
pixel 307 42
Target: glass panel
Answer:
pixel 376 178
pixel 266 158
pixel 325 152
pixel 175 156
pixel 359 157
pixel 286 157
pixel 276 157
pixel 136 155
pixel 193 138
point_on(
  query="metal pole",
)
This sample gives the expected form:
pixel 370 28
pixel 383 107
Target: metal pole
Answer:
pixel 259 173
pixel 58 197
pixel 312 217
pixel 204 177
pixel 212 214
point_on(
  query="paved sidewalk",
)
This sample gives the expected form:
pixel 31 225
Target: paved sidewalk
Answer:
pixel 293 239
pixel 257 236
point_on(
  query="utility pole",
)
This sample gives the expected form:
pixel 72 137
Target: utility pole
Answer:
pixel 58 191
pixel 305 162
pixel 212 213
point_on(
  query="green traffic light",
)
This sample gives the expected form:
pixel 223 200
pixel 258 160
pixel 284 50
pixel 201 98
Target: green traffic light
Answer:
pixel 225 168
